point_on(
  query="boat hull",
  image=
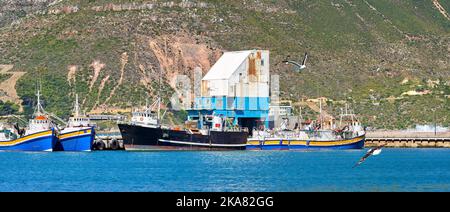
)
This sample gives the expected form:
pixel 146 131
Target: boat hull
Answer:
pixel 216 140
pixel 139 138
pixel 79 140
pixel 42 141
pixel 292 144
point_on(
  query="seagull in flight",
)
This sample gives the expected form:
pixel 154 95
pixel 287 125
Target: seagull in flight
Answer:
pixel 372 151
pixel 299 67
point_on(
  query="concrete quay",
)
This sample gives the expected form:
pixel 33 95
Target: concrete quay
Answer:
pixel 406 139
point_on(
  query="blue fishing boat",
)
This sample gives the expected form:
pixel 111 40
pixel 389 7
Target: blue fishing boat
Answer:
pixel 75 139
pixel 39 135
pixel 42 141
pixel 79 133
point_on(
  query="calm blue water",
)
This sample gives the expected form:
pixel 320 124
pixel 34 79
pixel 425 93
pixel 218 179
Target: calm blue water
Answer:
pixel 392 170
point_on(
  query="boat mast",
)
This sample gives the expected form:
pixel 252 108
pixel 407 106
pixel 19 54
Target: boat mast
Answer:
pixel 346 109
pixel 159 99
pixel 320 113
pixel 159 86
pixel 301 119
pixel 39 109
pixel 76 107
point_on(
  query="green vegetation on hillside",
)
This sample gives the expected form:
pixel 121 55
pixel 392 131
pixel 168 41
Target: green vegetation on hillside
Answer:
pixel 4 77
pixel 359 51
pixel 8 108
pixel 54 89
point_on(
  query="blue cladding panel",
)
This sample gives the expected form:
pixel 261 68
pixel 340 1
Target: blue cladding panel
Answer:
pixel 231 103
pixel 247 103
pixel 220 103
pixel 231 113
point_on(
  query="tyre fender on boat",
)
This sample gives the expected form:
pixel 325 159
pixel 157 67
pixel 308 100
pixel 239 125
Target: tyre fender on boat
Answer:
pixel 99 145
pixel 114 145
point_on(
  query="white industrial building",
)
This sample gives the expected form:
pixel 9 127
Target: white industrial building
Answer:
pixel 237 86
pixel 238 74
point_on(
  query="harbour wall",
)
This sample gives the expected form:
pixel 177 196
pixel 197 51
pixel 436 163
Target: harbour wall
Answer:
pixel 407 139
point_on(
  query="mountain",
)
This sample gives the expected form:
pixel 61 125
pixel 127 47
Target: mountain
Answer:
pixel 388 59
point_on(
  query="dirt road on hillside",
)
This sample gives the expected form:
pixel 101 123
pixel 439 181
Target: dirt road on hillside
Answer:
pixel 8 87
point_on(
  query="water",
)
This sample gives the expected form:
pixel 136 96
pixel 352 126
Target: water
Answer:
pixel 392 170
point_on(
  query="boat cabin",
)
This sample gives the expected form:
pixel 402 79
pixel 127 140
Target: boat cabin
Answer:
pixel 79 122
pixel 144 118
pixel 38 124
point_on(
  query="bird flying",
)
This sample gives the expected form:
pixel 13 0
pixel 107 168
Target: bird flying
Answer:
pixel 299 67
pixel 372 151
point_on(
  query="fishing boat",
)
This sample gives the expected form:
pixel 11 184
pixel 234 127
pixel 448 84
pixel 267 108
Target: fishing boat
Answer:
pixel 79 133
pixel 145 132
pixel 39 135
pixel 313 136
pixel 217 134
